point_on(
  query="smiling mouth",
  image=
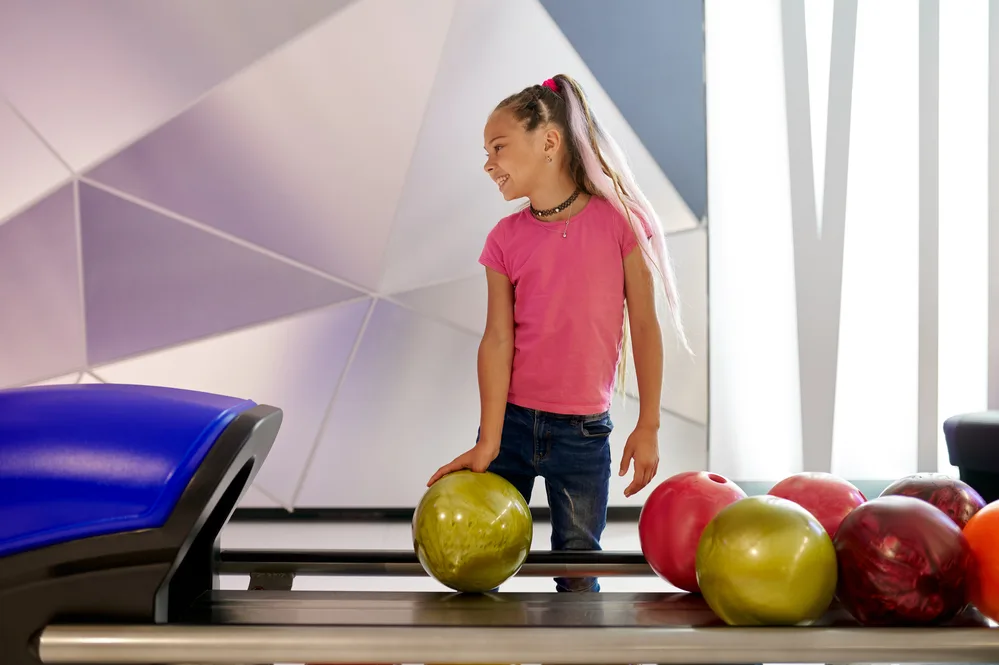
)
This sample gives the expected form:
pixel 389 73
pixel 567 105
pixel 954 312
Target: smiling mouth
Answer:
pixel 502 181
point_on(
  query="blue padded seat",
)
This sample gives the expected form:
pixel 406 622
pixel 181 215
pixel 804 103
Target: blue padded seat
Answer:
pixel 87 460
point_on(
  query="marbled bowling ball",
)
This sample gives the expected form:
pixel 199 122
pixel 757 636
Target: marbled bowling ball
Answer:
pixel 472 531
pixel 902 561
pixel 829 498
pixel 954 497
pixel 673 519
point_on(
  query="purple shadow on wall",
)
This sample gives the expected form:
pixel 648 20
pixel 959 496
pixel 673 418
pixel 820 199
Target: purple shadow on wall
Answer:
pixel 41 320
pixel 152 281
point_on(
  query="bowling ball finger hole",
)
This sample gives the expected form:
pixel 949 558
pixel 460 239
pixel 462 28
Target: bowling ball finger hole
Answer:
pixel 716 478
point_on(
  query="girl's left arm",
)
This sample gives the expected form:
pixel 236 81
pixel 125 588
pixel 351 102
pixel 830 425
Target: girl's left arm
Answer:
pixel 647 345
pixel 646 337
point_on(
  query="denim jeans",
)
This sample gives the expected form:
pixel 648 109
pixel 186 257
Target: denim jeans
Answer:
pixel 572 454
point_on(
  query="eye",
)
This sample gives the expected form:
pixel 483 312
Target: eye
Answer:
pixel 498 148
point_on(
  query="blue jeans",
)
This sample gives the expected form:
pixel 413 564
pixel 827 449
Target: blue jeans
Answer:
pixel 572 454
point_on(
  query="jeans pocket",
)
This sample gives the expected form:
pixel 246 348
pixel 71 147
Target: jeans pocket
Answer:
pixel 596 427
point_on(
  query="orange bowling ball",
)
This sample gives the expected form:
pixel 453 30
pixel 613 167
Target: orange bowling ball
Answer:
pixel 982 534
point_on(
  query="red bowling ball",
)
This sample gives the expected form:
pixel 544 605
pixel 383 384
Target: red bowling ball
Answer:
pixel 902 561
pixel 673 518
pixel 829 498
pixel 954 497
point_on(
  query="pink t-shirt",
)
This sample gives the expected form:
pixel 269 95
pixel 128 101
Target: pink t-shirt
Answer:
pixel 569 305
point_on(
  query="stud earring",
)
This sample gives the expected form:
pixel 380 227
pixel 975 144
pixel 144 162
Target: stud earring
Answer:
pixel 549 159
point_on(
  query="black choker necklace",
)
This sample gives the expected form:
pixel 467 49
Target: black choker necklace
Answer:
pixel 557 209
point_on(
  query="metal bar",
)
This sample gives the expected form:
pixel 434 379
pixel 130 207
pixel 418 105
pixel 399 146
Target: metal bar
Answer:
pixel 403 563
pixel 230 645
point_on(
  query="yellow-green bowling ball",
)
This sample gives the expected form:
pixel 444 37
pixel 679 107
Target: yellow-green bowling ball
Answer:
pixel 472 531
pixel 766 561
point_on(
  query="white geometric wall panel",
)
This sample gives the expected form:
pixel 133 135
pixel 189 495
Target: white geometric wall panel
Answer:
pixel 76 378
pixel 448 204
pixel 38 170
pixel 425 373
pixel 324 192
pixel 409 403
pixel 94 78
pixel 295 363
pixel 685 377
pixel 463 302
pixel 41 305
pixel 285 202
pixel 151 281
pixel 255 498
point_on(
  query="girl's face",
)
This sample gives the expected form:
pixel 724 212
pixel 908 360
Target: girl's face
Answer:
pixel 515 159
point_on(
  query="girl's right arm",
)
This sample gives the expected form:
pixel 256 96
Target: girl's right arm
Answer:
pixel 495 363
pixel 495 360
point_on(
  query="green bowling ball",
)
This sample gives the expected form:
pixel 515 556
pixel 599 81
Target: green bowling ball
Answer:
pixel 472 531
pixel 766 561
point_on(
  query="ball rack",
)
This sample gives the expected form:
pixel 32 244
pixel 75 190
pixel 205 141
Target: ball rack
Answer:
pixel 144 587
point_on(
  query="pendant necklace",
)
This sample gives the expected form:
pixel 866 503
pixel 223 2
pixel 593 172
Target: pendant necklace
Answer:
pixel 566 229
pixel 557 209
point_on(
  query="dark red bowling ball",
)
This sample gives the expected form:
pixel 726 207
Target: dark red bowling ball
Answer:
pixel 673 518
pixel 902 561
pixel 954 497
pixel 829 498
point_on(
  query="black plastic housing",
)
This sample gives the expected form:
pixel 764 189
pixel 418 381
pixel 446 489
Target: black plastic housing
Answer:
pixel 973 447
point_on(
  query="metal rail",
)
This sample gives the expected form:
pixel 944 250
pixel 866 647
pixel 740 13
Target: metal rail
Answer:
pixel 403 563
pixel 231 645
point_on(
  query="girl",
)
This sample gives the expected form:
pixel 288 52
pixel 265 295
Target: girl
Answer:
pixel 559 274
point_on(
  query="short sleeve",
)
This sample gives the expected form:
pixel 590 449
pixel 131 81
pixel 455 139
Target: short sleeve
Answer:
pixel 492 252
pixel 628 239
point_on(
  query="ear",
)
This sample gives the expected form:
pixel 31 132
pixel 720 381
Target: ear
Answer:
pixel 552 140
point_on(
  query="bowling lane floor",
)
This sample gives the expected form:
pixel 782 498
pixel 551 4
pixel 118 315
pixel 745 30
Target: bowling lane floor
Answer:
pixel 619 536
pixel 397 536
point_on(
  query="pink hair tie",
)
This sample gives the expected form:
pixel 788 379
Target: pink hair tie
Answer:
pixel 551 85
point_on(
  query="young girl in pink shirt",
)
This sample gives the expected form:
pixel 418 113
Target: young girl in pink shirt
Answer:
pixel 560 273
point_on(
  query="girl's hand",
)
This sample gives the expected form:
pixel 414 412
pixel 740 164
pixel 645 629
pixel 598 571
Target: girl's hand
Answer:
pixel 643 448
pixel 477 459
